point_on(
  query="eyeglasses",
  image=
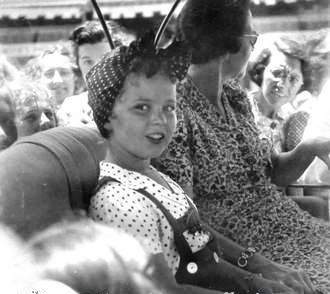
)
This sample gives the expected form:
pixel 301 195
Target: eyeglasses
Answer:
pixel 253 38
pixel 284 72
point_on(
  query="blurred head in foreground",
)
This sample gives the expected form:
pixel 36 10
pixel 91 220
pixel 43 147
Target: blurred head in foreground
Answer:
pixel 91 258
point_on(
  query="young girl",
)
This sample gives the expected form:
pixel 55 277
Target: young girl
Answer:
pixel 132 94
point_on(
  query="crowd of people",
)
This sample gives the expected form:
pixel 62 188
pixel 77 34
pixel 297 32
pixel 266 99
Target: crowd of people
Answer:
pixel 199 138
pixel 61 72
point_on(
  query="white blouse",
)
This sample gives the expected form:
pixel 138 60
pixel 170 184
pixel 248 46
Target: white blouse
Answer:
pixel 119 205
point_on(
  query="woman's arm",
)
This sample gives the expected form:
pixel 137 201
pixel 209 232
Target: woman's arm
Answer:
pixel 232 250
pixel 257 264
pixel 289 166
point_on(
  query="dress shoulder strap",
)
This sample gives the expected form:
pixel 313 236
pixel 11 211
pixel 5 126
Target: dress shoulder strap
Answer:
pixel 177 226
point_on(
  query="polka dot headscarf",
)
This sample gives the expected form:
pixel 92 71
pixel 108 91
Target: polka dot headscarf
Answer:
pixel 106 79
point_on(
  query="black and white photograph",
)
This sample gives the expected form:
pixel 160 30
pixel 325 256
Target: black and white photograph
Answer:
pixel 165 146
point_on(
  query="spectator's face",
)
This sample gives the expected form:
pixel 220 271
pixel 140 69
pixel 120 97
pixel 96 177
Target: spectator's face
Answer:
pixel 34 115
pixel 57 73
pixel 282 79
pixel 89 54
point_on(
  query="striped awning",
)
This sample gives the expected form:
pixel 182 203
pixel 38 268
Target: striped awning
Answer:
pixel 50 9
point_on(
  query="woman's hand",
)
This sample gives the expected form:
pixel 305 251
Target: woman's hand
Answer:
pixel 294 279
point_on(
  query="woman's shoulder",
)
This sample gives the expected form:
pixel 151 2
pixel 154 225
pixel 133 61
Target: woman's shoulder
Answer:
pixel 192 105
pixel 184 92
pixel 188 93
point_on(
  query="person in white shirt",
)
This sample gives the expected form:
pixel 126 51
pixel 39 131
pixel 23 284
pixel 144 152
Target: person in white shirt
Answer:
pixel 89 45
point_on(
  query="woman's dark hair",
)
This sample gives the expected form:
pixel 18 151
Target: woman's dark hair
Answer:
pixel 213 28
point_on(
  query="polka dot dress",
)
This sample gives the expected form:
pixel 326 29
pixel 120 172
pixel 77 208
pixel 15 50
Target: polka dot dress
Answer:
pixel 118 205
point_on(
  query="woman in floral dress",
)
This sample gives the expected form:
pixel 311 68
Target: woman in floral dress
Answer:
pixel 219 159
pixel 132 93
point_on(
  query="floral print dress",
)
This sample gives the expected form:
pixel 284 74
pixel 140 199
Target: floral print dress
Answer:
pixel 270 128
pixel 228 165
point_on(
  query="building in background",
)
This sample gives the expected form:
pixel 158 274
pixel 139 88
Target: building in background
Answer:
pixel 30 26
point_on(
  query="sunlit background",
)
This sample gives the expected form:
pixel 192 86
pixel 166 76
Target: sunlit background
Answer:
pixel 29 26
